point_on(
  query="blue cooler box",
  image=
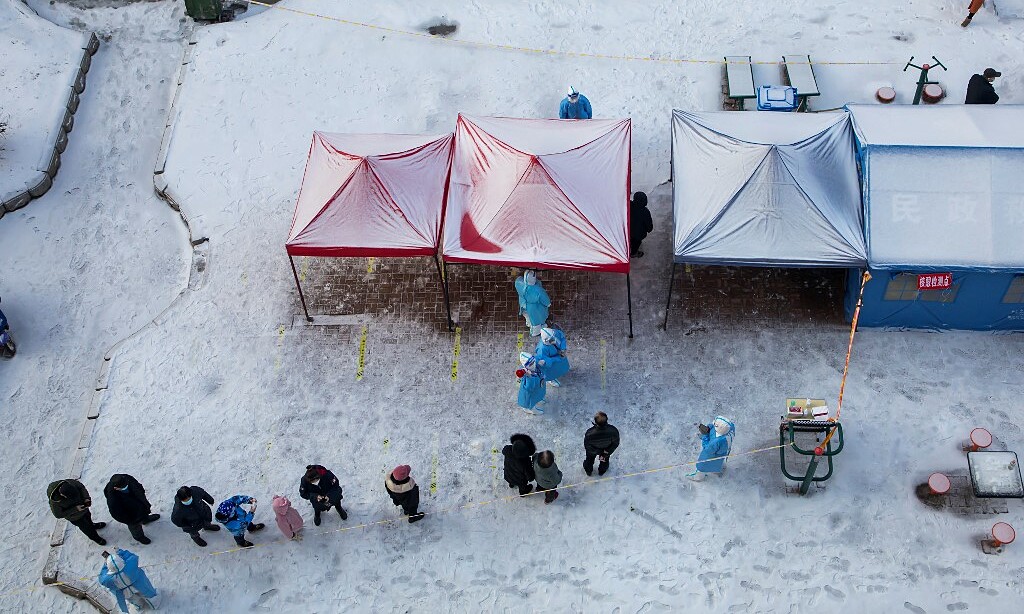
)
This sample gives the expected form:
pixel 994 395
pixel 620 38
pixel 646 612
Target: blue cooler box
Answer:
pixel 776 98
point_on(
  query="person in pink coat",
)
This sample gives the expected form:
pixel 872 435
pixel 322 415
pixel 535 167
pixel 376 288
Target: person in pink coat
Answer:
pixel 288 518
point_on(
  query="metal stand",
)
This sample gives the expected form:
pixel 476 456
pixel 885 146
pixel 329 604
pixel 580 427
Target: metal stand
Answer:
pixel 299 286
pixel 444 289
pixel 790 427
pixel 668 303
pixel 923 79
pixel 629 301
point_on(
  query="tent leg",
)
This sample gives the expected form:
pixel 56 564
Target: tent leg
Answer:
pixel 299 286
pixel 671 278
pixel 444 290
pixel 629 305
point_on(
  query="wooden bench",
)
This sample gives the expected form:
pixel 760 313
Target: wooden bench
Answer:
pixel 798 73
pixel 739 81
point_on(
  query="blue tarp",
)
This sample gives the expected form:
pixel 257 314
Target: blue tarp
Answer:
pixel 975 302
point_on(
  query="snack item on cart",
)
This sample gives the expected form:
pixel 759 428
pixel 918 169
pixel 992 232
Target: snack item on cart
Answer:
pixel 820 413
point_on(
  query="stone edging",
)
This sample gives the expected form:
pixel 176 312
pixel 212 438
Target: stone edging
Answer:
pixel 49 164
pixel 73 583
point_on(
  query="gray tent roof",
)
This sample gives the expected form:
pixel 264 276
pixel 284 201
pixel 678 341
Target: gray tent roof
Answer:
pixel 766 189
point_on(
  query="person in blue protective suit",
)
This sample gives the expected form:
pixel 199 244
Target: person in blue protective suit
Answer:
pixel 121 574
pixel 533 301
pixel 575 106
pixel 550 353
pixel 716 444
pixel 532 388
pixel 237 519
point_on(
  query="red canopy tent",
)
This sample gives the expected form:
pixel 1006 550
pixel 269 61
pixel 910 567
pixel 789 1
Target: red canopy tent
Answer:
pixel 540 193
pixel 371 195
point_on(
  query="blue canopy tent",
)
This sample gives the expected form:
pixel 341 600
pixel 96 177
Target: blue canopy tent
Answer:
pixel 765 190
pixel 944 216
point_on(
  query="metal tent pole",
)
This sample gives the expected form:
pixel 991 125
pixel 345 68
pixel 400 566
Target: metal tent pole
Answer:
pixel 444 290
pixel 671 278
pixel 629 302
pixel 299 286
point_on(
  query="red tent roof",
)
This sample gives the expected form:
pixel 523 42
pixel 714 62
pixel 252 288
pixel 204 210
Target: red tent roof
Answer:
pixel 371 195
pixel 543 193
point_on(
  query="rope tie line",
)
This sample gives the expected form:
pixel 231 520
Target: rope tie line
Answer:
pixel 572 54
pixel 448 510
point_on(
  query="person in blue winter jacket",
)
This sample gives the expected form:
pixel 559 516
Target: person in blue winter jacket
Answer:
pixel 121 574
pixel 532 388
pixel 550 354
pixel 533 301
pixel 575 106
pixel 716 444
pixel 237 519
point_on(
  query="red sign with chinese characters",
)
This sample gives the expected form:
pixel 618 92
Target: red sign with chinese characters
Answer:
pixel 934 281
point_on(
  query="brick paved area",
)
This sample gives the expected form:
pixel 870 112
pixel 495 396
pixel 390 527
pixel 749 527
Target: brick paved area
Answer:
pixel 483 299
pixel 757 296
pixel 960 499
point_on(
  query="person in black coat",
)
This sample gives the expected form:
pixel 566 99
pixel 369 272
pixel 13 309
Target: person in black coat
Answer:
pixel 640 223
pixel 599 442
pixel 320 487
pixel 70 500
pixel 126 499
pixel 404 492
pixel 519 462
pixel 192 512
pixel 980 90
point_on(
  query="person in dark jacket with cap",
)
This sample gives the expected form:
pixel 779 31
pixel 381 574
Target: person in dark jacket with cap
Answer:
pixel 70 500
pixel 980 90
pixel 519 462
pixel 640 223
pixel 126 499
pixel 321 488
pixel 404 492
pixel 192 512
pixel 599 442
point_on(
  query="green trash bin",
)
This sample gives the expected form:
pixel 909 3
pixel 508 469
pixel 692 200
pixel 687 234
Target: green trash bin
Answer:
pixel 206 10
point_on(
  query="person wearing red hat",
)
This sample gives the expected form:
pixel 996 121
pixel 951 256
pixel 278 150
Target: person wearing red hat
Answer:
pixel 404 492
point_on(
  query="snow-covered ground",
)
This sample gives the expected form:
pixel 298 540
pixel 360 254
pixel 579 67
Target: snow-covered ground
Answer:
pixel 226 394
pixel 40 62
pixel 84 266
